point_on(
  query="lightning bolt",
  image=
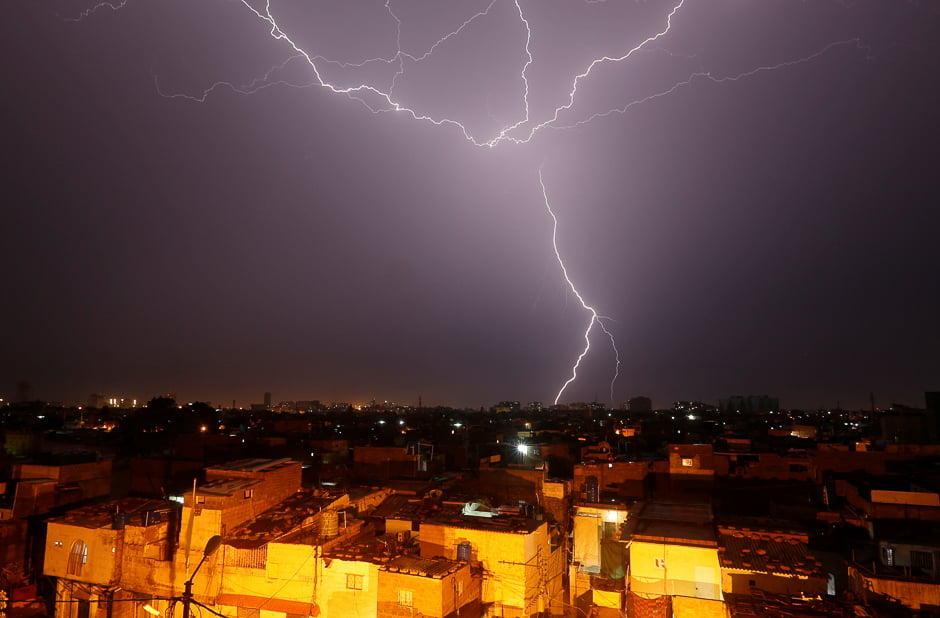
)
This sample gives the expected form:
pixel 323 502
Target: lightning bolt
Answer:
pixel 110 5
pixel 596 318
pixel 383 99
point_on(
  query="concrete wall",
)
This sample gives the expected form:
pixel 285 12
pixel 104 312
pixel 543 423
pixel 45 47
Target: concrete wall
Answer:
pixel 509 558
pixel 739 582
pixel 105 547
pixel 628 476
pixel 685 570
pixel 699 455
pixel 913 594
pixel 690 607
pixel 338 601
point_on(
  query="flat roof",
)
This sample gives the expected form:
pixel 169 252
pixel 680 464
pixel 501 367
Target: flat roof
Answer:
pixel 279 520
pixel 225 487
pixel 102 515
pixel 681 523
pixel 364 547
pixel 253 465
pixel 423 567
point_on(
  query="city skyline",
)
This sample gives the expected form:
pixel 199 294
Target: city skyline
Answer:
pixel 746 196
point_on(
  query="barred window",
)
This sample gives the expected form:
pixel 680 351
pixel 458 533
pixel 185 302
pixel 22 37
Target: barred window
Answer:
pixel 406 598
pixel 78 556
pixel 921 559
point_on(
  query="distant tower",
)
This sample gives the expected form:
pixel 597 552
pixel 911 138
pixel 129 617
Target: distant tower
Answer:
pixel 23 392
pixel 932 413
pixel 267 400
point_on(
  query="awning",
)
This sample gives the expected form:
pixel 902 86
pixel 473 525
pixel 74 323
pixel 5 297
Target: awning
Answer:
pixel 272 604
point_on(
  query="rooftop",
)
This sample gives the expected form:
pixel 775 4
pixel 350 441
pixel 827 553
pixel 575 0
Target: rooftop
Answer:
pixel 434 511
pixel 103 515
pixel 423 567
pixel 253 465
pixel 765 605
pixel 279 520
pixel 767 551
pixel 225 487
pixel 681 523
pixel 365 547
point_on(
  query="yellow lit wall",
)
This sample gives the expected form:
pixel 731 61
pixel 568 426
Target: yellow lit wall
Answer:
pixel 685 570
pixel 337 600
pixel 689 607
pixel 510 559
pixel 104 547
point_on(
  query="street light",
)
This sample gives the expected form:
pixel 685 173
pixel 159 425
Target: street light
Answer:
pixel 211 545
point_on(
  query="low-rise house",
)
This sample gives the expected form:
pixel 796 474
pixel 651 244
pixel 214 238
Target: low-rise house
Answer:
pixel 772 560
pixel 673 550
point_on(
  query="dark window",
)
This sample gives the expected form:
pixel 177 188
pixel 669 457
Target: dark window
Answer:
pixel 921 559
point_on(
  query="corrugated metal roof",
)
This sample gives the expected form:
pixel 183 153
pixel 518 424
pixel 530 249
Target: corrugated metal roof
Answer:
pixel 767 552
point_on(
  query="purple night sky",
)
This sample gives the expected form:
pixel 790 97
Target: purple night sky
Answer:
pixel 752 200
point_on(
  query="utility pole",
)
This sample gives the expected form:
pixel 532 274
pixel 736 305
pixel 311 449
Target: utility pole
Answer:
pixel 211 546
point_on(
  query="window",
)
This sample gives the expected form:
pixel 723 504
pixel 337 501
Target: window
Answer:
pixel 406 598
pixel 78 556
pixel 660 563
pixel 687 462
pixel 248 493
pixel 921 559
pixel 353 582
pixel 887 555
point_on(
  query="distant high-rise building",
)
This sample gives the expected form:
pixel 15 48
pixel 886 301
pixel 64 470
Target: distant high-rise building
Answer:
pixel 267 400
pixel 751 403
pixel 23 392
pixel 640 404
pixel 933 414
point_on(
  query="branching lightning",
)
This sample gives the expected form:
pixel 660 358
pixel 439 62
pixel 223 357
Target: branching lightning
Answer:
pixel 596 319
pixel 383 98
pixel 111 5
